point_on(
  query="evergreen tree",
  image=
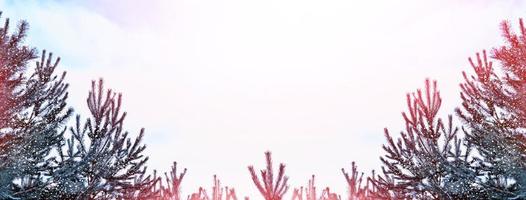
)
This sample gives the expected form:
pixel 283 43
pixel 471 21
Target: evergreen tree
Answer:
pixel 217 192
pixel 357 190
pixel 99 160
pixel 494 110
pixel 428 160
pixel 268 187
pixel 311 192
pixel 32 113
pixel 172 189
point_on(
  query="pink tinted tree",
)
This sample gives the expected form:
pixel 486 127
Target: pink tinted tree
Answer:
pixel 494 111
pixel 356 190
pixel 425 162
pixel 33 113
pixel 268 187
pixel 99 160
pixel 310 192
pixel 172 189
pixel 217 192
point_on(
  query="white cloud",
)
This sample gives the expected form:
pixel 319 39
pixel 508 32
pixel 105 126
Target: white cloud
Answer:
pixel 216 83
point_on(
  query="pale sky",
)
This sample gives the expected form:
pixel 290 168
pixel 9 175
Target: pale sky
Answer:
pixel 215 83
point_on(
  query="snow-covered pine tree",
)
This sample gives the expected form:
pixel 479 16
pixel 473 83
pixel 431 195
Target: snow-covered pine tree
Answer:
pixel 32 115
pixel 99 160
pixel 268 187
pixel 428 160
pixel 494 110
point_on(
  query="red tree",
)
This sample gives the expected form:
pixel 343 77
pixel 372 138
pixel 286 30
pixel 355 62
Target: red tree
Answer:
pixel 357 190
pixel 217 192
pixel 270 189
pixel 424 162
pixel 33 112
pixel 172 189
pixel 310 192
pixel 494 110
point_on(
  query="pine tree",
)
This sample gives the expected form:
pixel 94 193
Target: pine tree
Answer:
pixel 494 110
pixel 172 189
pixel 311 192
pixel 217 192
pixel 357 190
pixel 99 160
pixel 150 191
pixel 32 114
pixel 428 160
pixel 268 187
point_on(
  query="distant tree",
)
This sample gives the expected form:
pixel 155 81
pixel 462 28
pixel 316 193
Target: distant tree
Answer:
pixel 270 188
pixel 99 160
pixel 428 160
pixel 355 187
pixel 309 192
pixel 172 189
pixel 494 110
pixel 328 195
pixel 217 192
pixel 151 191
pixel 199 195
pixel 32 115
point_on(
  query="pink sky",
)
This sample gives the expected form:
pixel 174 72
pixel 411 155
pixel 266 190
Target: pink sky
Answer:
pixel 216 83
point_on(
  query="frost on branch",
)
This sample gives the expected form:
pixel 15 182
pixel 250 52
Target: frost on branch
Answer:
pixel 494 111
pixel 32 115
pixel 99 160
pixel 425 162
